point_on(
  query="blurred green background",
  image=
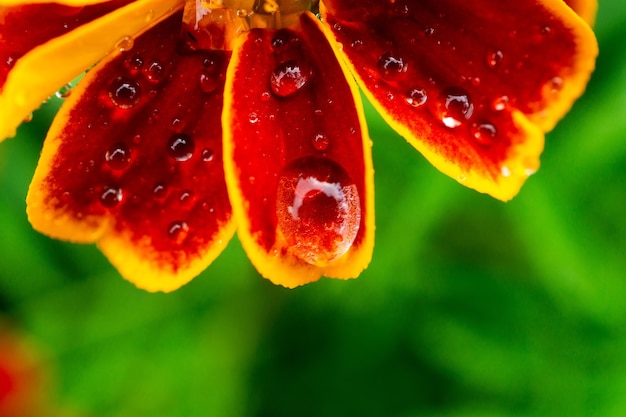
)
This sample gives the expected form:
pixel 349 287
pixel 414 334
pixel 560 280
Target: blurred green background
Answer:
pixel 471 307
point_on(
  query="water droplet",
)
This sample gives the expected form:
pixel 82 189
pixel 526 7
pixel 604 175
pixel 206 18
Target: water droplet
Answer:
pixel 253 118
pixel 500 103
pixel 155 72
pixel 124 92
pixel 416 97
pixel 454 106
pixel 320 142
pixel 180 147
pixel 505 171
pixel 125 44
pixel 289 77
pixel 391 66
pixel 554 85
pixel 111 196
pixel 65 91
pixel 178 231
pixel 160 191
pixel 283 40
pixel 494 58
pixel 208 83
pixel 28 118
pixel 207 155
pixel 484 133
pixel 357 44
pixel 186 198
pixel 318 210
pixel 265 96
pixel 149 16
pixel 118 156
pixel 134 63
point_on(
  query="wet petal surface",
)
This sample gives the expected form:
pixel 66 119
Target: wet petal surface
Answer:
pixel 134 161
pixel 471 85
pixel 297 157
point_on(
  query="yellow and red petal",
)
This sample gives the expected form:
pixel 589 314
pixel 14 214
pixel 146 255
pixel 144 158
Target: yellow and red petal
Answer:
pixel 472 85
pixel 297 157
pixel 134 161
pixel 43 46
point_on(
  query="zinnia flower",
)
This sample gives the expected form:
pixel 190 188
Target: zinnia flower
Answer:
pixel 202 117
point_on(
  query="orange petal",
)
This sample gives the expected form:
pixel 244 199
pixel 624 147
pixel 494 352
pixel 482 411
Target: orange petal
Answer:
pixel 62 42
pixel 586 9
pixel 134 161
pixel 472 85
pixel 297 157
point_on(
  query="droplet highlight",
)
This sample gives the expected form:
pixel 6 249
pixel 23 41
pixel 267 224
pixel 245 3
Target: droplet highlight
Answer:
pixel 111 196
pixel 391 66
pixel 416 97
pixel 117 156
pixel 124 92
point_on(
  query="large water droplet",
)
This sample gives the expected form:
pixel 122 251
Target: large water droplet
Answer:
pixel 65 91
pixel 180 147
pixel 111 196
pixel 454 106
pixel 289 77
pixel 124 92
pixel 125 44
pixel 118 156
pixel 391 66
pixel 318 210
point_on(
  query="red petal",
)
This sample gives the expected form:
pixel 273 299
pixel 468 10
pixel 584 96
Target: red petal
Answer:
pixel 28 26
pixel 134 160
pixel 297 157
pixel 465 82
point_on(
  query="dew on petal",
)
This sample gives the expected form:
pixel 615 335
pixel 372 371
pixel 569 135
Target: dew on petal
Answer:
pixel 318 210
pixel 134 63
pixel 454 106
pixel 155 72
pixel 289 77
pixel 391 66
pixel 125 44
pixel 500 103
pixel 178 231
pixel 65 91
pixel 416 97
pixel 118 156
pixel 484 133
pixel 160 191
pixel 180 147
pixel 320 142
pixel 207 155
pixel 124 92
pixel 208 83
pixel 111 196
pixel 494 58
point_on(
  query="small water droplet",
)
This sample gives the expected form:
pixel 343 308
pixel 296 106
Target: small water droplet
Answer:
pixel 289 77
pixel 65 91
pixel 207 155
pixel 253 118
pixel 134 63
pixel 125 44
pixel 484 133
pixel 208 83
pixel 180 147
pixel 28 118
pixel 111 196
pixel 318 210
pixel 284 39
pixel 118 156
pixel 500 103
pixel 265 96
pixel 454 106
pixel 391 66
pixel 357 44
pixel 124 92
pixel 554 85
pixel 160 191
pixel 416 97
pixel 320 142
pixel 186 198
pixel 149 16
pixel 494 58
pixel 505 171
pixel 178 231
pixel 155 72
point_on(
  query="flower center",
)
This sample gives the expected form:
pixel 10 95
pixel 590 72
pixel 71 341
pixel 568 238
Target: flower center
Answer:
pixel 214 24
